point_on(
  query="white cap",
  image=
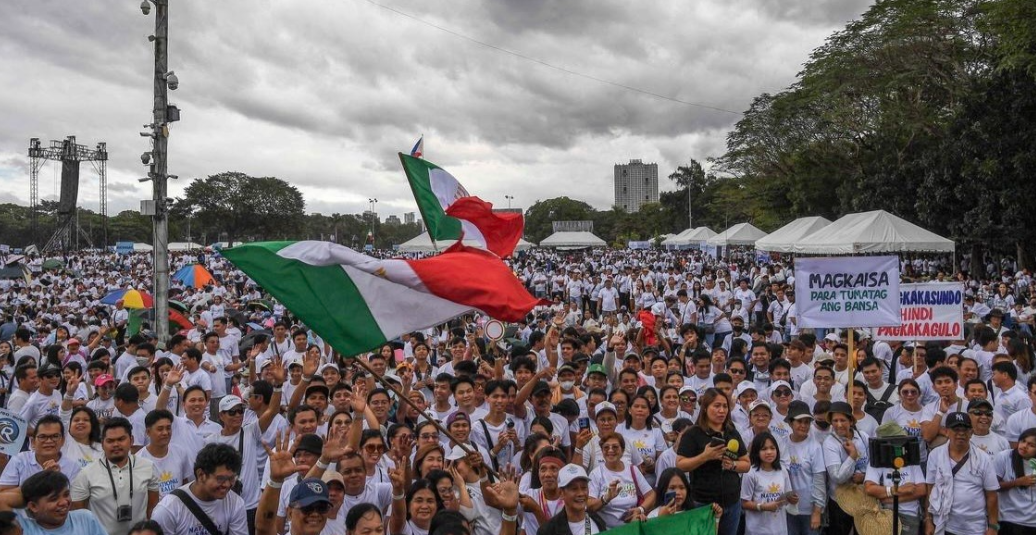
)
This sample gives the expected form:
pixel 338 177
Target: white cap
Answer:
pixel 760 403
pixel 570 473
pixel 456 454
pixel 605 406
pixel 745 386
pixel 832 337
pixel 229 402
pixel 778 384
pixel 688 388
pixel 329 365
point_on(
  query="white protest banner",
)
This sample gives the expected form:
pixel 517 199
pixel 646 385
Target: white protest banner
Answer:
pixel 930 311
pixel 857 291
pixel 12 432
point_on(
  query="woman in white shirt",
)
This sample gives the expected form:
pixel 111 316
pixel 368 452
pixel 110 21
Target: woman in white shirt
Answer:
pixel 618 491
pixel 1016 471
pixel 642 435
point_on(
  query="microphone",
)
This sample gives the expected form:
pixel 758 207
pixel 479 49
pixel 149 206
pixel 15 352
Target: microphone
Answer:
pixel 732 447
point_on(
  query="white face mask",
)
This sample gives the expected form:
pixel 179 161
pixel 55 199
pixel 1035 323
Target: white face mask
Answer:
pixel 567 385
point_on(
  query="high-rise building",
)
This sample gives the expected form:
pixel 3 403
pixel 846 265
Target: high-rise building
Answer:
pixel 392 220
pixel 636 183
pixel 409 218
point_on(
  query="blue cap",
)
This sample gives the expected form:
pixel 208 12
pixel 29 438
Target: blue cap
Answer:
pixel 309 491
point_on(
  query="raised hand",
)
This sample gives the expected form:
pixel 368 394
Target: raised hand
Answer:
pixel 336 445
pixel 505 494
pixel 282 462
pixel 398 474
pixel 310 364
pixel 280 374
pixel 73 385
pixel 175 374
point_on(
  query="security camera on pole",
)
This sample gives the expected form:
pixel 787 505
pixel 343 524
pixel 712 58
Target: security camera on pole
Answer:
pixel 157 161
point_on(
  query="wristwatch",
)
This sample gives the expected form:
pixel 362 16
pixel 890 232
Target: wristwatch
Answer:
pixel 994 527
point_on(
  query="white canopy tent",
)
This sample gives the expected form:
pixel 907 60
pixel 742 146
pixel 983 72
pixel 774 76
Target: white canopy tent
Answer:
pixel 185 246
pixel 671 238
pixel 141 247
pixel 873 232
pixel 739 234
pixel 783 240
pixel 423 244
pixel 572 240
pixel 697 236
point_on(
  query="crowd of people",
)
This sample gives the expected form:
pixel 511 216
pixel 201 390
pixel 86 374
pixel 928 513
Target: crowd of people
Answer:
pixel 655 382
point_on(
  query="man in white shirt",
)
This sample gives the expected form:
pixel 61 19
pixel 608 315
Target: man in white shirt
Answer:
pixel 959 477
pixel 1022 420
pixel 121 489
pixel 216 470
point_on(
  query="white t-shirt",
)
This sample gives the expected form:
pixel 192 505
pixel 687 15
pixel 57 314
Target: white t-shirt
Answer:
pixel 765 486
pixel 909 474
pixel 632 486
pixel 250 443
pixel 961 496
pixel 1016 504
pixel 227 514
pixel 172 471
pixel 991 443
pixel 1018 423
pixel 550 508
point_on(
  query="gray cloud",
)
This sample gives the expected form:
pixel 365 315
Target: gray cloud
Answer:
pixel 324 94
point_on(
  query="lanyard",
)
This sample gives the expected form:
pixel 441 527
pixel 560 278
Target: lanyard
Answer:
pixel 115 492
pixel 587 520
pixel 543 503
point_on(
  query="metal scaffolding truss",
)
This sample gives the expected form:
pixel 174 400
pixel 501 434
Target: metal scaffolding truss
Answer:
pixel 66 150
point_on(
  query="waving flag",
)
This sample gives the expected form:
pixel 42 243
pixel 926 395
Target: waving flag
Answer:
pixel 418 149
pixel 436 191
pixel 356 302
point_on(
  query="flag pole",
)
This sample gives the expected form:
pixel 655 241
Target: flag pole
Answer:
pixel 404 399
pixel 852 365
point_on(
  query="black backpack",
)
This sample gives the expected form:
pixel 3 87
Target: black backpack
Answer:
pixel 877 407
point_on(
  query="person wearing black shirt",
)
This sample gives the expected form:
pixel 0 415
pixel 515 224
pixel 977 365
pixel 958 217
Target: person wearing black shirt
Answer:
pixel 714 471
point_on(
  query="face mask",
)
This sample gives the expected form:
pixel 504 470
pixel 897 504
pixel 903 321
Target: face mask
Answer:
pixel 567 385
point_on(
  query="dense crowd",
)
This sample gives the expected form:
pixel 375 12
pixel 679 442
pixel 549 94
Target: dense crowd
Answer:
pixel 654 383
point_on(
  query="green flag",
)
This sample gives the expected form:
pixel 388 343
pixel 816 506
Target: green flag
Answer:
pixel 698 521
pixel 434 190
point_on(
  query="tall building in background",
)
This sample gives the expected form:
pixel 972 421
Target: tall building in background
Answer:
pixel 409 218
pixel 636 183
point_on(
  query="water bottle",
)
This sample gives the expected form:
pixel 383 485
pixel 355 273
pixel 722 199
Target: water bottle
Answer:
pixel 507 452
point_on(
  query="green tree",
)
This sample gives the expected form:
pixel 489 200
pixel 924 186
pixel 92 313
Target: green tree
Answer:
pixel 244 206
pixel 539 216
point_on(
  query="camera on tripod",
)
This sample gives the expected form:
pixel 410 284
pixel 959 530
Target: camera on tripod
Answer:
pixel 895 452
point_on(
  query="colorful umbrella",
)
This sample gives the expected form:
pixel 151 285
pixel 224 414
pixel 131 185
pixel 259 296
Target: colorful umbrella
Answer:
pixel 130 299
pixel 194 275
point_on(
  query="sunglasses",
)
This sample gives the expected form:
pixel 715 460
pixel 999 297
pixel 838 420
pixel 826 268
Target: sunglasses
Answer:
pixel 987 414
pixel 320 508
pixel 734 371
pixel 782 393
pixel 374 448
pixel 234 412
pixel 688 399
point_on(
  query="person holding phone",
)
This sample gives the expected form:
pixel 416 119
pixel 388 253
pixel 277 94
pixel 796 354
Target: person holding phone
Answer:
pixel 714 468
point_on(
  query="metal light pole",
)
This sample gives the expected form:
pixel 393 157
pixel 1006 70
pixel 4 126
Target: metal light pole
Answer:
pixel 373 216
pixel 163 81
pixel 509 199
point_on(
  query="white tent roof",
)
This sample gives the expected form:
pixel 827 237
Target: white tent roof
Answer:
pixel 671 238
pixel 423 244
pixel 698 235
pixel 783 240
pixel 739 234
pixel 872 232
pixel 142 247
pixel 184 246
pixel 572 240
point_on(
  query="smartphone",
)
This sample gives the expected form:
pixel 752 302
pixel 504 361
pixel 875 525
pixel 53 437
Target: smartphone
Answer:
pixel 717 441
pixel 669 497
pixel 584 423
pixel 399 355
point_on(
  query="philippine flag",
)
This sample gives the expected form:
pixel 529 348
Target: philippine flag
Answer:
pixel 418 149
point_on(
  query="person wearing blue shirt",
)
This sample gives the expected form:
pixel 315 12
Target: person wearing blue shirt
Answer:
pixel 47 506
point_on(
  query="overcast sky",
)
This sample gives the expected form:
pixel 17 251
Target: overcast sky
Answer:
pixel 324 93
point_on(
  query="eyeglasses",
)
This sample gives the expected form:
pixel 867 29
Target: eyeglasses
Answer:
pixel 48 438
pixel 908 392
pixel 429 436
pixel 445 490
pixel 404 436
pixel 610 447
pixel 986 414
pixel 320 508
pixel 226 480
pixel 234 412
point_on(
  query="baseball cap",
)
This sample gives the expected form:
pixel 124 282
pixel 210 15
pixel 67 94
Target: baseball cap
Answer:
pixel 571 473
pixel 778 384
pixel 48 368
pixel 540 387
pixel 605 406
pixel 329 365
pixel 229 402
pixel 760 403
pixel 596 368
pixel 331 476
pixel 456 454
pixel 103 379
pixel 979 403
pixel 745 386
pixel 457 416
pixel 688 389
pixel 958 419
pixel 832 337
pixel 798 410
pixel 317 387
pixel 309 442
pixel 308 492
